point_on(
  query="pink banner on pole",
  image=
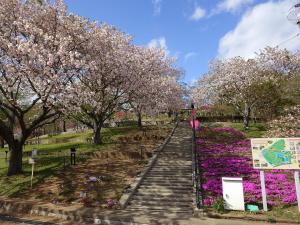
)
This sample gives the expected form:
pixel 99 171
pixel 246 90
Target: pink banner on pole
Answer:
pixel 196 124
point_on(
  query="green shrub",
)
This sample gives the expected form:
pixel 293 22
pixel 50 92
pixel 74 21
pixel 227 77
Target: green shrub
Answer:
pixel 219 205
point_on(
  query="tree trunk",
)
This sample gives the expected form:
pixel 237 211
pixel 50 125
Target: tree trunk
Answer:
pixel 247 117
pixel 15 160
pixel 64 126
pixel 97 135
pixel 139 123
pixel 1 142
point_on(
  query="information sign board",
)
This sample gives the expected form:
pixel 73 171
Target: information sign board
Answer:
pixel 276 153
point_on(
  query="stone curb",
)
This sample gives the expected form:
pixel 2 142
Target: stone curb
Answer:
pixel 27 207
pixel 263 218
pixel 125 198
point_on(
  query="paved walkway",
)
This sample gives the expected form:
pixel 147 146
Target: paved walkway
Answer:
pixel 167 188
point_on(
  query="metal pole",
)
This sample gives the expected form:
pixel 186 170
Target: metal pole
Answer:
pixel 32 169
pixel 297 183
pixel 263 189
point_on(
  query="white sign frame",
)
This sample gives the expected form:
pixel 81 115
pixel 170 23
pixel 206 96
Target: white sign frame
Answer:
pixel 233 193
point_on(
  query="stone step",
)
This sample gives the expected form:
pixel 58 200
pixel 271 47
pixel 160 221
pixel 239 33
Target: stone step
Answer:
pixel 187 199
pixel 161 203
pixel 169 178
pixel 175 153
pixel 159 213
pixel 186 183
pixel 164 192
pixel 176 157
pixel 177 162
pixel 179 151
pixel 168 182
pixel 178 170
pixel 166 165
pixel 185 172
pixel 162 164
pixel 168 187
pixel 168 174
pixel 172 168
pixel 169 165
pixel 166 168
pixel 170 162
pixel 165 188
pixel 163 196
pixel 174 162
pixel 162 208
pixel 172 157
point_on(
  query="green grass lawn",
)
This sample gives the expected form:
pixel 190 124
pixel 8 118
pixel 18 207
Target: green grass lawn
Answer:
pixel 255 130
pixel 287 213
pixel 51 157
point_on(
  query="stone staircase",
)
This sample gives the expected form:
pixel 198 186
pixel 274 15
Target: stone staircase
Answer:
pixel 168 185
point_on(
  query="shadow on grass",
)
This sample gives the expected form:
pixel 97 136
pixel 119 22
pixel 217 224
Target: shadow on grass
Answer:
pixel 47 166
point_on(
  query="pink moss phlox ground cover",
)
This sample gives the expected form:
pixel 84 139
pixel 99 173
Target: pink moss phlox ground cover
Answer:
pixel 224 152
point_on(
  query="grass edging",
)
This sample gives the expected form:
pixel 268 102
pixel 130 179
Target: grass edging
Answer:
pixel 125 198
pixel 261 218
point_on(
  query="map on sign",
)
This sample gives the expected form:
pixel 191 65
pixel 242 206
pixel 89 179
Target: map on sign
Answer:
pixel 276 153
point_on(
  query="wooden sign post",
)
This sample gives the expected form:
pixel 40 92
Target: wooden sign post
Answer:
pixel 297 184
pixel 263 190
pixel 32 162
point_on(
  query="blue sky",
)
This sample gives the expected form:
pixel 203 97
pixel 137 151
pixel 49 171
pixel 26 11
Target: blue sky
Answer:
pixel 196 31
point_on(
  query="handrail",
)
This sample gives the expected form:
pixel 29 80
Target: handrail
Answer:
pixel 196 171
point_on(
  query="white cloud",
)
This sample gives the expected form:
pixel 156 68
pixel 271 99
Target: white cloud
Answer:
pixel 159 43
pixel 198 13
pixel 189 55
pixel 157 7
pixel 264 25
pixel 231 6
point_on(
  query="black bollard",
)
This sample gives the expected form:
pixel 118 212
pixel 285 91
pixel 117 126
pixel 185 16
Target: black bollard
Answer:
pixel 6 155
pixel 73 156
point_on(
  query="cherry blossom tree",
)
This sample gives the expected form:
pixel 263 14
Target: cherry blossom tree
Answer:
pixel 99 90
pixel 247 83
pixel 121 74
pixel 281 61
pixel 287 125
pixel 230 81
pixel 158 88
pixel 40 52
